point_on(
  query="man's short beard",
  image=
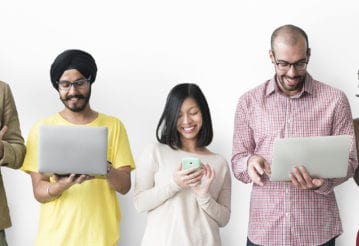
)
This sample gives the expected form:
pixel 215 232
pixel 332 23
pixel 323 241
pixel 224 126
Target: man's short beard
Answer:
pixel 77 109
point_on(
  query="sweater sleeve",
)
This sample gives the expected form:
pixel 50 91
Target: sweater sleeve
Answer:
pixel 147 195
pixel 220 209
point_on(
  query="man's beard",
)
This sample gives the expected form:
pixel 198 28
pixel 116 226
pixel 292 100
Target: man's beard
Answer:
pixel 80 108
pixel 298 86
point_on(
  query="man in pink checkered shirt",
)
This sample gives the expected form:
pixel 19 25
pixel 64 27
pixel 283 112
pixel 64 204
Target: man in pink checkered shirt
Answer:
pixel 291 104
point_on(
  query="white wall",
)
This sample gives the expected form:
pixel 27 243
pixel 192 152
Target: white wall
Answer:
pixel 142 49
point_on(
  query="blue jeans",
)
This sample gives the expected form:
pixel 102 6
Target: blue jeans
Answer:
pixel 2 238
pixel 331 242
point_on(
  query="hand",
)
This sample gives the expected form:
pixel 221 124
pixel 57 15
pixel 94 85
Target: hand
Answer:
pixel 208 176
pixel 2 133
pixel 257 166
pixel 301 179
pixel 67 181
pixel 188 177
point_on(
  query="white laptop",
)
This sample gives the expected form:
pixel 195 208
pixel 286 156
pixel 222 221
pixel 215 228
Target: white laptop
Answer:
pixel 322 156
pixel 72 149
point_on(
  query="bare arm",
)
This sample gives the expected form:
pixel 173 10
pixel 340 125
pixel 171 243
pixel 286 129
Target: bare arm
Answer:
pixel 120 179
pixel 46 191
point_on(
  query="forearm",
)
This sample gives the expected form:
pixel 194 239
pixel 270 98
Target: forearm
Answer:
pixel 151 198
pixel 329 184
pixel 218 209
pixel 119 179
pixel 13 143
pixel 243 141
pixel 218 212
pixel 47 192
pixel 13 153
pixel 239 167
pixel 44 190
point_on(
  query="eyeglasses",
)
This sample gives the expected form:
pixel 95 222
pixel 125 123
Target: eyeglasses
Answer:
pixel 285 66
pixel 65 85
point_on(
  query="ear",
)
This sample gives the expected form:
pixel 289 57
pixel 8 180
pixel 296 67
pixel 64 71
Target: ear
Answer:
pixel 308 53
pixel 271 55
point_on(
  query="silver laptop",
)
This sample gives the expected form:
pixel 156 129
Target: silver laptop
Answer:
pixel 72 149
pixel 322 156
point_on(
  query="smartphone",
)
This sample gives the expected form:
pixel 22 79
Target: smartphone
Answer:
pixel 189 162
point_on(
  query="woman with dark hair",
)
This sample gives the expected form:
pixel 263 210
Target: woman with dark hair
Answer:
pixel 184 206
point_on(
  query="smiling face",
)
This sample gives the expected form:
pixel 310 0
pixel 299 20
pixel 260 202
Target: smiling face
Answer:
pixel 292 55
pixel 189 121
pixel 75 98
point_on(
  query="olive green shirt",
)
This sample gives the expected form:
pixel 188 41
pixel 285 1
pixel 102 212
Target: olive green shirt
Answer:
pixel 14 148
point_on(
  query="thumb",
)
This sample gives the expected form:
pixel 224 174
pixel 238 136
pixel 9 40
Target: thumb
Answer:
pixel 179 167
pixel 318 182
pixel 267 168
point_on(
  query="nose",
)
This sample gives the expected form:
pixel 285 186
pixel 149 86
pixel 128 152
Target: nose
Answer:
pixel 72 89
pixel 292 71
pixel 186 118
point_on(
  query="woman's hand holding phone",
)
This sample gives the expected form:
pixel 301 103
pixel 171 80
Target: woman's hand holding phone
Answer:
pixel 189 173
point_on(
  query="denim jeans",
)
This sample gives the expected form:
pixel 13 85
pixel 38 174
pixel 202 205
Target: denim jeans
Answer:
pixel 329 243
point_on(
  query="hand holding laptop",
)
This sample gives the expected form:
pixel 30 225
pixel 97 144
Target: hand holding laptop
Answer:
pixel 322 157
pixel 304 162
pixel 73 149
pixel 301 179
pixel 72 178
pixel 62 183
pixel 258 166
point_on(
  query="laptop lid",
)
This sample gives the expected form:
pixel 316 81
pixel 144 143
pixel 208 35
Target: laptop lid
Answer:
pixel 72 149
pixel 322 156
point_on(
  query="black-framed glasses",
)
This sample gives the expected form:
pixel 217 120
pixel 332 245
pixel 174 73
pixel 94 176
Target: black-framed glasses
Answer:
pixel 285 66
pixel 65 85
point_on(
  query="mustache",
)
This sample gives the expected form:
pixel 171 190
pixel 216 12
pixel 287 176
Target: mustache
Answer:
pixel 295 77
pixel 74 96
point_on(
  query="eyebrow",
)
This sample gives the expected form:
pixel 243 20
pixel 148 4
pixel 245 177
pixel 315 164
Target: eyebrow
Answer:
pixel 64 80
pixel 300 60
pixel 191 108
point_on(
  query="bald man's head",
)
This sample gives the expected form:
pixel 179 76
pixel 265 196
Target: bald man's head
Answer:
pixel 290 35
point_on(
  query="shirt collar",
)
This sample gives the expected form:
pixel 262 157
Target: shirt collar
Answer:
pixel 307 88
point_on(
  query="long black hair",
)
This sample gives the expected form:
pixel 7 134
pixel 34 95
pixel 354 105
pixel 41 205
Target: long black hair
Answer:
pixel 166 132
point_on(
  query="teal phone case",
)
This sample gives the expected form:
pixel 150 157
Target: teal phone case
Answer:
pixel 189 162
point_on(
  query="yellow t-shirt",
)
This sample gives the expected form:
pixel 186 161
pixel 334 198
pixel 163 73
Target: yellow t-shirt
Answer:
pixel 87 213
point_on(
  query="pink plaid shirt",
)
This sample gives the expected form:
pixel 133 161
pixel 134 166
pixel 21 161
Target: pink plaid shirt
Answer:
pixel 281 214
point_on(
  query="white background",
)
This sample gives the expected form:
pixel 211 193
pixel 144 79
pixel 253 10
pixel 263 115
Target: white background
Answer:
pixel 144 48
